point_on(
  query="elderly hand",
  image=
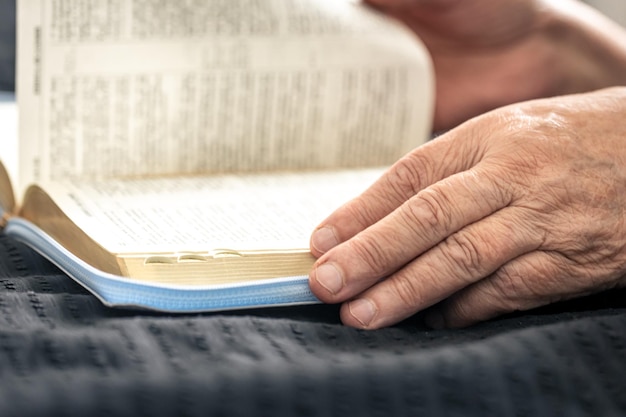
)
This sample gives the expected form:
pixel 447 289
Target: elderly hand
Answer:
pixel 520 207
pixel 490 53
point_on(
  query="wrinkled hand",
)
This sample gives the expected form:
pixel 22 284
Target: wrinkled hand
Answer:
pixel 520 207
pixel 490 53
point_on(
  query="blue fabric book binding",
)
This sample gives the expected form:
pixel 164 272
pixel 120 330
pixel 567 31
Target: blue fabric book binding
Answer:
pixel 119 291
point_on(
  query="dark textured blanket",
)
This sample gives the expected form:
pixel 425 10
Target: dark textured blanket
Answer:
pixel 63 353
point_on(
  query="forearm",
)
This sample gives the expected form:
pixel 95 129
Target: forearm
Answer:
pixel 590 49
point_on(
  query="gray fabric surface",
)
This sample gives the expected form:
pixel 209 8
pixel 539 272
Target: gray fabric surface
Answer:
pixel 63 353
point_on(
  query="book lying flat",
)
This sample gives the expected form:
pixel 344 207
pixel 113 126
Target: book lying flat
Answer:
pixel 178 157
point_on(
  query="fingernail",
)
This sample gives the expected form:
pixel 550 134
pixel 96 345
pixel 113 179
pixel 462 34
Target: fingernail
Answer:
pixel 363 310
pixel 324 239
pixel 329 277
pixel 435 320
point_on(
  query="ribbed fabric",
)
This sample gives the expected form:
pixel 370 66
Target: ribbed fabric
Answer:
pixel 64 354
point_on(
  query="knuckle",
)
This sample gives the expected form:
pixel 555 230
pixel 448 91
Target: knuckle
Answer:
pixel 428 209
pixel 508 285
pixel 500 191
pixel 371 252
pixel 407 291
pixel 409 175
pixel 361 213
pixel 465 254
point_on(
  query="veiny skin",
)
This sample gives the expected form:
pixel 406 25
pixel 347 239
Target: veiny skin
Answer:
pixel 516 208
pixel 525 206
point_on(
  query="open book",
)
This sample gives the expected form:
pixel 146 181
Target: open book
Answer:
pixel 177 155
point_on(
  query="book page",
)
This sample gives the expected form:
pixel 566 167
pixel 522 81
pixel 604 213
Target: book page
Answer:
pixel 128 88
pixel 8 139
pixel 203 214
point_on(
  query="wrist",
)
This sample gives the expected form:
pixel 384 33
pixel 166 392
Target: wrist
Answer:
pixel 589 50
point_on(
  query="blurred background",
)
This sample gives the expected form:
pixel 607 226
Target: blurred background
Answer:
pixel 615 9
pixel 7 44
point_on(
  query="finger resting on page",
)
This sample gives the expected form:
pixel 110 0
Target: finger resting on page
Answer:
pixel 419 224
pixel 464 258
pixel 405 179
pixel 426 165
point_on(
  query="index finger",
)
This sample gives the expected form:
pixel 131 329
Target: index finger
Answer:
pixel 420 224
pixel 454 152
